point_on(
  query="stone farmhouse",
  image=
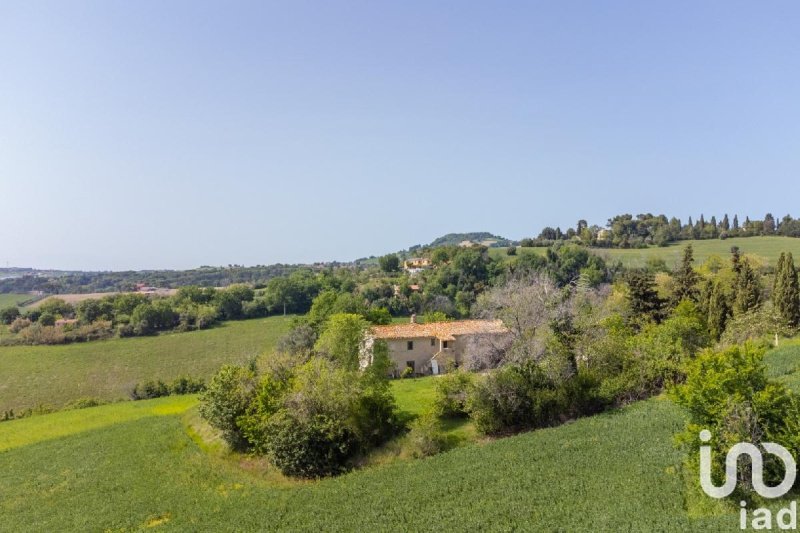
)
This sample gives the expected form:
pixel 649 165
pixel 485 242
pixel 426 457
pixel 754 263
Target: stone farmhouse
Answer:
pixel 430 348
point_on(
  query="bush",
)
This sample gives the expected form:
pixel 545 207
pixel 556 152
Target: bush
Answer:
pixel 19 324
pixel 451 392
pixel 84 403
pixel 226 399
pixel 520 397
pixel 426 437
pixel 727 392
pixel 311 420
pixel 186 385
pixel 9 315
pixel 149 390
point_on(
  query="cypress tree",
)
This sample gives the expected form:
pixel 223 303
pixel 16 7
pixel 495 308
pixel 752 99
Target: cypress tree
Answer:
pixel 748 290
pixel 736 222
pixel 786 291
pixel 736 259
pixel 685 278
pixel 718 311
pixel 644 300
pixel 725 224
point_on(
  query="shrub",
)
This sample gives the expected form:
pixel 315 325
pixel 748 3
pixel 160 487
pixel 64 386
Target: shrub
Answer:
pixel 39 334
pixel 186 385
pixel 313 447
pixel 9 315
pixel 19 324
pixel 314 419
pixel 149 390
pixel 226 399
pixel 84 403
pixel 451 392
pixel 426 437
pixel 502 402
pixel 728 393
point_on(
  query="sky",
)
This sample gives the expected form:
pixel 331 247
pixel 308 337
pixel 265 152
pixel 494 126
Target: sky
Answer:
pixel 150 134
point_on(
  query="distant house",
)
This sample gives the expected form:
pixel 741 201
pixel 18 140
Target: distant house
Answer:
pixel 416 264
pixel 467 244
pixel 430 348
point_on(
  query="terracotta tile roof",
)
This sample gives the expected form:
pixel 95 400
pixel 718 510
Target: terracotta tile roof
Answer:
pixel 440 330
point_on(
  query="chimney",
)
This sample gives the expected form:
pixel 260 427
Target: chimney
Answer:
pixel 413 318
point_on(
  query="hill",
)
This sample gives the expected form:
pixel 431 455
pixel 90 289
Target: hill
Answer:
pixel 55 375
pixel 768 248
pixel 479 237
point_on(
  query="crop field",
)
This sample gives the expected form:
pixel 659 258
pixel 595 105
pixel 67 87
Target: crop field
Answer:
pixel 134 465
pixel 9 300
pixel 768 248
pixel 55 375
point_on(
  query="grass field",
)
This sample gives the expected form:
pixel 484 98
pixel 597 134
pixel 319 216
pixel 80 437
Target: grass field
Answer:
pixel 136 465
pixel 9 300
pixel 769 248
pixel 55 375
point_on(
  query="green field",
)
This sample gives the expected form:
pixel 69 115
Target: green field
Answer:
pixel 769 248
pixel 55 375
pixel 9 300
pixel 135 465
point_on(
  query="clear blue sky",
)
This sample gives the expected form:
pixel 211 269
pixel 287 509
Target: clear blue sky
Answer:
pixel 151 134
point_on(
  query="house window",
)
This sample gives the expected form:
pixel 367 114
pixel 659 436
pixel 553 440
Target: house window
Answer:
pixel 410 364
pixel 410 345
pixel 433 342
pixel 444 344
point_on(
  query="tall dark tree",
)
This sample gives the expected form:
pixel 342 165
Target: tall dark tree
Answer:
pixel 736 259
pixel 748 289
pixel 736 222
pixel 725 224
pixel 719 310
pixel 769 224
pixel 685 277
pixel 786 291
pixel 644 300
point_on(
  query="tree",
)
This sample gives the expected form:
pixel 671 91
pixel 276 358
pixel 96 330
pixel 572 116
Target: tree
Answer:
pixel 9 315
pixel 644 300
pixel 725 224
pixel 736 259
pixel 718 311
pixel 736 222
pixel 230 300
pixel 786 291
pixel 226 399
pixel 685 279
pixel 389 263
pixel 748 290
pixel 343 338
pixel 769 224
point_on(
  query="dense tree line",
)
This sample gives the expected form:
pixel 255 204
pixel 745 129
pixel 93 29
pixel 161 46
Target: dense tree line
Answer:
pixel 628 231
pixel 89 282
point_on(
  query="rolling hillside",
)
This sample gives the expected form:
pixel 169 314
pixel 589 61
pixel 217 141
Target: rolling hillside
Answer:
pixel 55 375
pixel 138 465
pixel 767 247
